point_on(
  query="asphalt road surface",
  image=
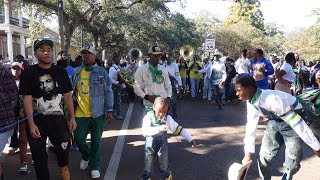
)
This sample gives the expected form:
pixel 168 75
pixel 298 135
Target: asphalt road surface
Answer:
pixel 218 133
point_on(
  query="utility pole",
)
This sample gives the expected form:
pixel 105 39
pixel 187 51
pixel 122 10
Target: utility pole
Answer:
pixel 60 16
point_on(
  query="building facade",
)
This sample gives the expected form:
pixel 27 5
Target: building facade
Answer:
pixel 13 30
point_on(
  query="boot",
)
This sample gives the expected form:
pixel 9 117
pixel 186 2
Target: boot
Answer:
pixel 65 174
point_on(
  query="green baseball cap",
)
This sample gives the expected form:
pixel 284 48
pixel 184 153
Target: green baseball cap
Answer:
pixel 39 42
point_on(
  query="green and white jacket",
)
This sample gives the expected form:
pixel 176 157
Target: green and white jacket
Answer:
pixel 275 104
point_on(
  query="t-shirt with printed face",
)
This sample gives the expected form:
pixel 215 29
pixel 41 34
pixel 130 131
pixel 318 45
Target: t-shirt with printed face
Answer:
pixel 46 86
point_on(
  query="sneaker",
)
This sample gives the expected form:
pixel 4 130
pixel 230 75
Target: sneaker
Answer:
pixel 119 117
pixel 23 169
pixel 84 164
pixel 13 150
pixel 95 174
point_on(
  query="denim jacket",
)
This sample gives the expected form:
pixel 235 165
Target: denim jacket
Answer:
pixel 101 95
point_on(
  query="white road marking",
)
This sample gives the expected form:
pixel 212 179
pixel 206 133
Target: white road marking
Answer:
pixel 117 151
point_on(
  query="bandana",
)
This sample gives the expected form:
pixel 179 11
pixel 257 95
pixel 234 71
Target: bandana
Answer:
pixel 157 76
pixel 89 68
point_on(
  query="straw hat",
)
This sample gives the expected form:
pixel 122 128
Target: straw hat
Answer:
pixel 238 171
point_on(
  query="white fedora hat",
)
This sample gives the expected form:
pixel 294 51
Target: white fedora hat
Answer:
pixel 238 171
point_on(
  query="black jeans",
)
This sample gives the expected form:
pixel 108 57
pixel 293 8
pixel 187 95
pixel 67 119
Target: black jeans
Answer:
pixel 55 127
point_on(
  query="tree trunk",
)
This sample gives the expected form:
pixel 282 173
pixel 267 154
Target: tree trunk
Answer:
pixel 69 27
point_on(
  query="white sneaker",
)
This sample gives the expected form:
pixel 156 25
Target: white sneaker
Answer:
pixel 83 164
pixel 13 150
pixel 95 174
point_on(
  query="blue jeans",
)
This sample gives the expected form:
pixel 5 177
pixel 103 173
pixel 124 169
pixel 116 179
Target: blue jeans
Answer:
pixel 173 104
pixel 276 134
pixel 4 138
pixel 207 93
pixel 117 93
pixel 156 145
pixel 194 86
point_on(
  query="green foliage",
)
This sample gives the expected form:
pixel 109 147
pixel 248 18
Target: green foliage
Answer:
pixel 37 18
pixel 245 11
pixel 306 42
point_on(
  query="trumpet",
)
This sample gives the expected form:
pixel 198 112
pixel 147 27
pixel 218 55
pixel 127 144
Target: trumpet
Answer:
pixel 186 51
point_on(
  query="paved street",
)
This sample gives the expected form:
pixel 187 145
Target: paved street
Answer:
pixel 218 133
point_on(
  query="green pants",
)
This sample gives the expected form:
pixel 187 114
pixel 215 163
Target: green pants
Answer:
pixel 90 153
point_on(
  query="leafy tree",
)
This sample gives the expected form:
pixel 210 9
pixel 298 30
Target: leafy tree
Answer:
pixel 247 11
pixel 305 42
pixel 76 13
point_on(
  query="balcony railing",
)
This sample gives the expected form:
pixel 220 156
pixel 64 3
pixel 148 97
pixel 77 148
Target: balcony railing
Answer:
pixel 15 21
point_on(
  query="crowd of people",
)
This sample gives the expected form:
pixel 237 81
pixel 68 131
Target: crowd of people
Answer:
pixel 63 103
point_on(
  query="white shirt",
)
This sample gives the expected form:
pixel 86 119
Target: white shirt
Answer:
pixel 279 103
pixel 216 67
pixel 113 73
pixel 173 71
pixel 242 65
pixel 290 75
pixel 149 130
pixel 144 85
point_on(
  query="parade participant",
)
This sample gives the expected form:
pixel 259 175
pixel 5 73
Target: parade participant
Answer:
pixel 242 64
pixel 64 61
pixel 207 81
pixel 296 87
pixel 22 141
pixel 193 66
pixel 16 69
pixel 285 126
pixel 174 76
pixel 117 86
pixel 261 68
pixel 127 73
pixel 43 87
pixel 285 75
pixel 94 103
pixel 217 73
pixel 8 94
pixel 155 126
pixel 152 80
pixel 20 59
pixel 231 73
pixel 276 66
pixel 183 74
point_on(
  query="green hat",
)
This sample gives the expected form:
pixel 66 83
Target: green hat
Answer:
pixel 39 42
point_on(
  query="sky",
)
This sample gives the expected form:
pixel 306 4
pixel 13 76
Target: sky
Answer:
pixel 289 14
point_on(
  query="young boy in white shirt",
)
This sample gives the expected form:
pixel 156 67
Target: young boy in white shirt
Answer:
pixel 154 128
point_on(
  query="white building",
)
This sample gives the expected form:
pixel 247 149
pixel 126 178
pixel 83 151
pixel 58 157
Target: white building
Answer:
pixel 13 30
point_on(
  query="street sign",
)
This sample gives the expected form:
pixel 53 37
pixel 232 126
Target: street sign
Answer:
pixel 209 45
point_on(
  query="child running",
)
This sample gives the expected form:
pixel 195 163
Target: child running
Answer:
pixel 154 128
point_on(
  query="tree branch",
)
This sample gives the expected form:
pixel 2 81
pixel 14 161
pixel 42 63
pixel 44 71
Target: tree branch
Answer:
pixel 127 6
pixel 43 3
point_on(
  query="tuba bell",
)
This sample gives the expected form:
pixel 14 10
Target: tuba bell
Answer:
pixel 186 51
pixel 134 54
